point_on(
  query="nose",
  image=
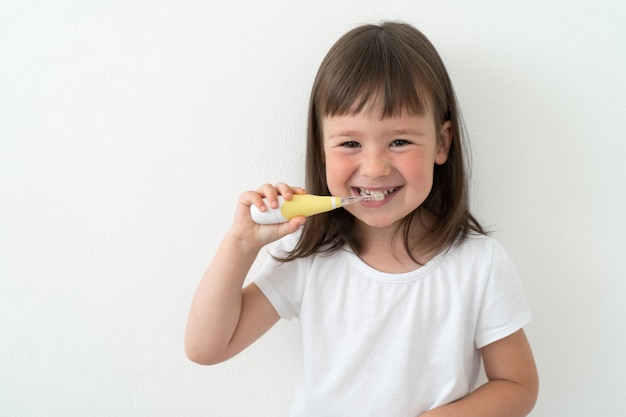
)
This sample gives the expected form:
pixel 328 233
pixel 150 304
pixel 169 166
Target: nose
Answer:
pixel 375 166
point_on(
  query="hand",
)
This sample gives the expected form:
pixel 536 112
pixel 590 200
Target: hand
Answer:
pixel 512 387
pixel 256 235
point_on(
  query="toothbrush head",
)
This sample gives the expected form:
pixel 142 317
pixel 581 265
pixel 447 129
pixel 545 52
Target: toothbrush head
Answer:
pixel 374 196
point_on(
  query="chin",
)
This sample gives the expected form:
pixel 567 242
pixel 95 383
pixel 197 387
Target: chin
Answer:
pixel 378 223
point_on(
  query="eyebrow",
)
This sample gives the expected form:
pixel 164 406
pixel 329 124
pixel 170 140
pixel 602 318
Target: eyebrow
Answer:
pixel 344 133
pixel 414 132
pixel 393 132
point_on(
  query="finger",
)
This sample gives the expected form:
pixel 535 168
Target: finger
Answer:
pixel 298 190
pixel 287 191
pixel 270 193
pixel 284 190
pixel 255 198
pixel 291 226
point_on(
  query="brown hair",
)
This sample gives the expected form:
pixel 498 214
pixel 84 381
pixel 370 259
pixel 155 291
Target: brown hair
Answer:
pixel 396 64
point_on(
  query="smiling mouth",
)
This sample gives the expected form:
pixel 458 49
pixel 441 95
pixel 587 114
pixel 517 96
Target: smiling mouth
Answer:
pixel 376 195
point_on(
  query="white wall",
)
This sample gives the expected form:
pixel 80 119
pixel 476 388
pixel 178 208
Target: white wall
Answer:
pixel 129 128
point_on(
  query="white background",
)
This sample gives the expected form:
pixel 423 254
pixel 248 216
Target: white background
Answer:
pixel 129 128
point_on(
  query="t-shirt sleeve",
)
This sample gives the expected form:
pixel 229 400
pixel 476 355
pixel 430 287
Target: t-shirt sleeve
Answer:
pixel 504 308
pixel 282 282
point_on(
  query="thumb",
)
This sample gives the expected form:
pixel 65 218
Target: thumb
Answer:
pixel 291 226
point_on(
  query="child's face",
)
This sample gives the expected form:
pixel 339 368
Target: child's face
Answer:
pixel 394 155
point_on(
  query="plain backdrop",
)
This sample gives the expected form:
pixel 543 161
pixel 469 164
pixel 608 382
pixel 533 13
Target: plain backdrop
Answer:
pixel 129 128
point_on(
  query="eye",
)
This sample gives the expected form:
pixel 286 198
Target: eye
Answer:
pixel 400 142
pixel 351 144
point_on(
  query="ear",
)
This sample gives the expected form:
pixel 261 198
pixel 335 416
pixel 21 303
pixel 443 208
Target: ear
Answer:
pixel 444 142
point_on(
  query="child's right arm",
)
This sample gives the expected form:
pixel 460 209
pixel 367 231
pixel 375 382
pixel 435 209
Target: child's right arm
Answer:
pixel 224 319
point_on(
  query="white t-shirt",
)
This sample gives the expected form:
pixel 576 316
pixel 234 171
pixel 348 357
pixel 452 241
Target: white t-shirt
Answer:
pixel 379 344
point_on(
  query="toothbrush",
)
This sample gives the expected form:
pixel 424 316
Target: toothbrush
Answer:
pixel 305 205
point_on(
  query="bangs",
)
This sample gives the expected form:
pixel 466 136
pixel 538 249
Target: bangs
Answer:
pixel 376 73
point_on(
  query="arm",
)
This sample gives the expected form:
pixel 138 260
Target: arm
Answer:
pixel 512 387
pixel 224 319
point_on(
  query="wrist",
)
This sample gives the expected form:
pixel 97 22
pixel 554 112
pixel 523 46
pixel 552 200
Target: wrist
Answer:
pixel 242 243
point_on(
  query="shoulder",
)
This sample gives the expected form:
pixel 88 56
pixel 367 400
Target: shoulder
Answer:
pixel 290 245
pixel 479 246
pixel 478 255
pixel 284 245
pixel 279 255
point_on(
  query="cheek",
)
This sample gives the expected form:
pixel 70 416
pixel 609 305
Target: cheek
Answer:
pixel 338 170
pixel 419 171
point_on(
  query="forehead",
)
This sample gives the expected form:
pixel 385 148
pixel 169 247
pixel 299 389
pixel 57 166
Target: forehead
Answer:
pixel 370 122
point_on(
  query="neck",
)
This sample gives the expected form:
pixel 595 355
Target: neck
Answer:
pixel 385 249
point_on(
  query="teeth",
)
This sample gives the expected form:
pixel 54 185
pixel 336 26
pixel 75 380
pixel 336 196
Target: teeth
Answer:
pixel 375 195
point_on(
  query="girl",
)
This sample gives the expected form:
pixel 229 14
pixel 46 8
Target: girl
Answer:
pixel 398 299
